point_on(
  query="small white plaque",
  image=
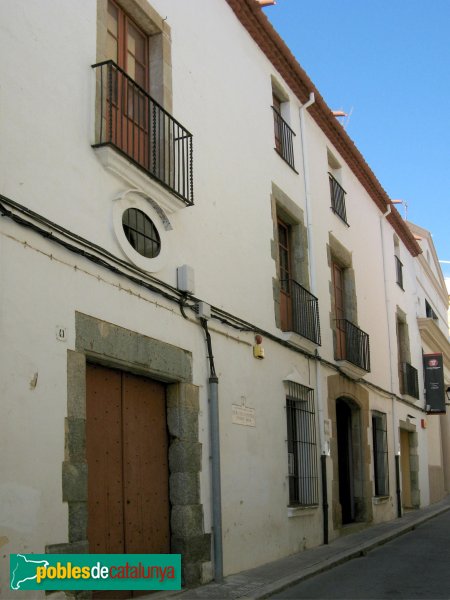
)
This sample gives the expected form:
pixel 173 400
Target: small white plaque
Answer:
pixel 242 415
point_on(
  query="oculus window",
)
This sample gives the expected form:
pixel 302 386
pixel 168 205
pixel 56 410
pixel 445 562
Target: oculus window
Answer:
pixel 141 233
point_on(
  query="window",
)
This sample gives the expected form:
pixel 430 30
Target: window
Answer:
pixel 407 374
pixel 380 454
pixel 276 104
pixel 429 312
pixel 351 344
pixel 339 309
pixel 134 97
pixel 141 233
pixel 127 45
pixel 142 230
pixel 284 255
pixel 398 263
pixel 127 106
pixel 337 192
pixel 302 446
pixel 298 308
pixel 283 133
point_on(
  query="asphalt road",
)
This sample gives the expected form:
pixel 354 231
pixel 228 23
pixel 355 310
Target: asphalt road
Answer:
pixel 415 565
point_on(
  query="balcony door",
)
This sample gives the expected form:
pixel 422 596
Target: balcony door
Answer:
pixel 339 310
pixel 284 258
pixel 128 110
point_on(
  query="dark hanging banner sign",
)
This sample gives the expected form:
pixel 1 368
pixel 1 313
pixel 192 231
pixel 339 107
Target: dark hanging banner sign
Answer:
pixel 433 366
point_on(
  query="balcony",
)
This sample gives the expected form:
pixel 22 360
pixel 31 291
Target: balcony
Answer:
pixel 399 271
pixel 410 380
pixel 337 193
pixel 132 122
pixel 352 345
pixel 284 143
pixel 299 311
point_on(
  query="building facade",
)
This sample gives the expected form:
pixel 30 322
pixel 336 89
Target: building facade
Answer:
pixel 183 230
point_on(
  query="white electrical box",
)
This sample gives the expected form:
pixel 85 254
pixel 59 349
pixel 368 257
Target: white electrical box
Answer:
pixel 186 279
pixel 204 310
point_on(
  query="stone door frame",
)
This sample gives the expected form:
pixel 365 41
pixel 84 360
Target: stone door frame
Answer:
pixel 104 343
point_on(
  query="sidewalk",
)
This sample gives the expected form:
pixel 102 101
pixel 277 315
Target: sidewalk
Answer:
pixel 273 577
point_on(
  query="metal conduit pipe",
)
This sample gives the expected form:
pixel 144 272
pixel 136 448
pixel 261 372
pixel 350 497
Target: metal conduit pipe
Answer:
pixel 324 446
pixel 391 372
pixel 213 397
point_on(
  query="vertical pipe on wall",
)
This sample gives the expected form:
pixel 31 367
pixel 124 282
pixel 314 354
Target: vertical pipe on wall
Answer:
pixel 213 396
pixel 323 464
pixel 324 446
pixel 394 411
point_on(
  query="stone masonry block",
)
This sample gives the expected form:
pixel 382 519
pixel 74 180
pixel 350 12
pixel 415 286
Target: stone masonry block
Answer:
pixel 191 574
pixel 185 457
pixel 130 347
pixel 81 547
pixel 187 521
pixel 76 384
pixel 184 488
pixel 182 411
pixel 75 440
pixel 74 482
pixel 78 518
pixel 194 549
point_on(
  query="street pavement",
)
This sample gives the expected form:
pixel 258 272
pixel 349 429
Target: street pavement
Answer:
pixel 270 579
pixel 415 565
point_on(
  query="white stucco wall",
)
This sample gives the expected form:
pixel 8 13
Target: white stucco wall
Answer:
pixel 222 93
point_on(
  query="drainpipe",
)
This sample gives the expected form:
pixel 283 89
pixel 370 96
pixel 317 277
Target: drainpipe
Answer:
pixel 213 396
pixel 394 407
pixel 324 444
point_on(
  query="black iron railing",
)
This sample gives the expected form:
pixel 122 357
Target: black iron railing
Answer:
pixel 337 193
pixel 410 380
pixel 352 344
pixel 284 143
pixel 399 271
pixel 136 125
pixel 302 311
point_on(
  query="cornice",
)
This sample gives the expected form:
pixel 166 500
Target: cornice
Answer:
pixel 258 26
pixel 432 335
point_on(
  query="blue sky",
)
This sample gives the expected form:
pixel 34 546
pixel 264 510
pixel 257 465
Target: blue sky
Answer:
pixel 387 61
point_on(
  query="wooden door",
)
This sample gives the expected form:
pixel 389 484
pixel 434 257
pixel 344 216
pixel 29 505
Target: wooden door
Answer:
pixel 145 466
pixel 127 46
pixel 406 468
pixel 339 310
pixel 127 456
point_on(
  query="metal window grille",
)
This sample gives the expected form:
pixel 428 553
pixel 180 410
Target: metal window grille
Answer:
pixel 399 271
pixel 355 346
pixel 410 380
pixel 303 311
pixel 302 446
pixel 380 454
pixel 141 233
pixel 337 193
pixel 284 138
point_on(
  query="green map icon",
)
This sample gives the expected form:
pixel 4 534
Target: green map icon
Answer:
pixel 23 569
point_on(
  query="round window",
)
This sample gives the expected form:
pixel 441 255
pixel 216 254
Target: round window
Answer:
pixel 141 233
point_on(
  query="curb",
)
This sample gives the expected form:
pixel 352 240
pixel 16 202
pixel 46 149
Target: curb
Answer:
pixel 345 556
pixel 340 551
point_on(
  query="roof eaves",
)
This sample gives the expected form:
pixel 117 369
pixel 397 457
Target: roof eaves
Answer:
pixel 257 24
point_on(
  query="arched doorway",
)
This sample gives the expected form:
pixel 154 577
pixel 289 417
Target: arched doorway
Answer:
pixel 349 450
